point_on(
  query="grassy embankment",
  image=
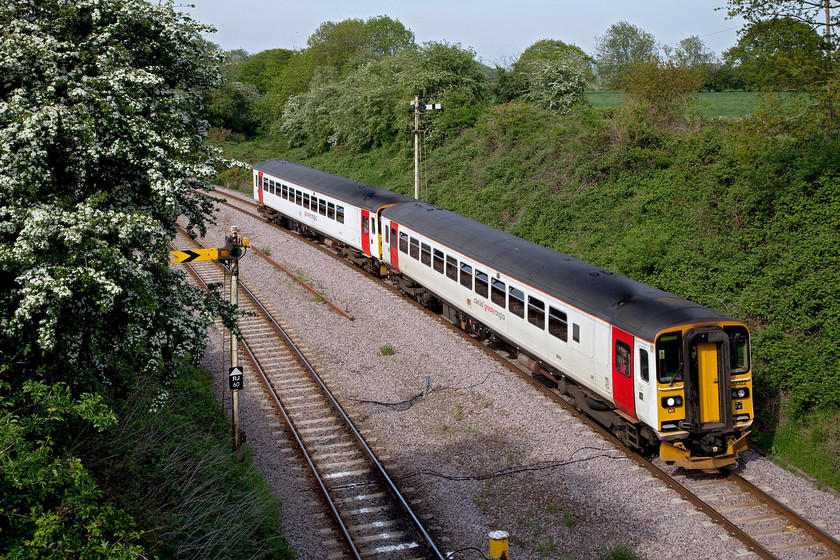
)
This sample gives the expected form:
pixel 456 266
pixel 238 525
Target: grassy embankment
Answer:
pixel 725 212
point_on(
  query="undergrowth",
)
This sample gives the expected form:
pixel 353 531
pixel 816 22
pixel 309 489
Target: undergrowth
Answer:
pixel 169 465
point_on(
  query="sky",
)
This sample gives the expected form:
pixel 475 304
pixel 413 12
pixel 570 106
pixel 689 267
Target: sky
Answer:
pixel 497 30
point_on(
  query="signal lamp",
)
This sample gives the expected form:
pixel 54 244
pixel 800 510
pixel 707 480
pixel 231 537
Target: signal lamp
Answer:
pixel 671 402
pixel 740 393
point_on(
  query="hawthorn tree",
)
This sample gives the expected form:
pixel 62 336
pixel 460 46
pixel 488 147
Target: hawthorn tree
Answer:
pixel 101 150
pixel 550 73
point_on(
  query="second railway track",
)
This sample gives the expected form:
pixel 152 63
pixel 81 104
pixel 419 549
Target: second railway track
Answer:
pixel 371 514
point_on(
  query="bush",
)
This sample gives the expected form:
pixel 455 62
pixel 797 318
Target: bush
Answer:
pixel 665 87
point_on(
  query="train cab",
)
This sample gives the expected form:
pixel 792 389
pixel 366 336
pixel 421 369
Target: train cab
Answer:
pixel 705 405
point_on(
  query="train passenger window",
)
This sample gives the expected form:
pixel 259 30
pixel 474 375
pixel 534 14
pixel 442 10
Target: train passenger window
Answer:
pixel 414 251
pixel 292 193
pixel 425 254
pixel 438 261
pixel 313 203
pixel 284 191
pixel 536 312
pixel 372 226
pixel 387 236
pixel 558 325
pixel 322 206
pixel 669 358
pixel 452 268
pixel 273 187
pixel 306 200
pixel 622 358
pixel 466 276
pixel 364 224
pixel 339 214
pixel 516 301
pixel 739 350
pixel 299 198
pixel 644 367
pixel 575 332
pixel 394 235
pixel 481 284
pixel 403 243
pixel 330 210
pixel 497 292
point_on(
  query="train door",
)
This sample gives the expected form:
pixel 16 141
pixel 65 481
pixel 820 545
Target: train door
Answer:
pixel 622 372
pixel 366 233
pixel 708 378
pixel 259 186
pixel 395 249
pixel 374 249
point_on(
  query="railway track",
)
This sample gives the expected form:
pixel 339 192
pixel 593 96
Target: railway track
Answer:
pixel 774 529
pixel 370 513
pixel 765 525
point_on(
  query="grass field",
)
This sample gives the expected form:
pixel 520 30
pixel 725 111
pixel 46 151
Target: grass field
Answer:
pixel 712 104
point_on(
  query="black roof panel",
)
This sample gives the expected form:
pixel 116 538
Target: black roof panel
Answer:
pixel 627 304
pixel 352 192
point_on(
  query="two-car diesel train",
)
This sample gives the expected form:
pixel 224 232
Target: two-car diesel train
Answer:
pixel 654 368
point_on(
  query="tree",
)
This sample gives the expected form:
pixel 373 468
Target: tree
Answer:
pixel 820 15
pixel 336 44
pixel 691 52
pixel 780 54
pixel 530 75
pixel 370 105
pixel 101 150
pixel 553 49
pixel 554 85
pixel 622 46
pixel 388 37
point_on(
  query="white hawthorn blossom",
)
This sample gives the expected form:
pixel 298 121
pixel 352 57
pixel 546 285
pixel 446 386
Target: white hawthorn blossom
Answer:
pixel 101 149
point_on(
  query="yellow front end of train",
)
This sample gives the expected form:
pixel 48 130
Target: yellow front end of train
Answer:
pixel 704 385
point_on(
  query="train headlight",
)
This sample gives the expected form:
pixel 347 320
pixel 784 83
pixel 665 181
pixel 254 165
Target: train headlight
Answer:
pixel 671 402
pixel 740 393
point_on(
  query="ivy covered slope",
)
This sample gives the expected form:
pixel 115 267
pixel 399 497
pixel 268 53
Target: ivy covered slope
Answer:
pixel 101 149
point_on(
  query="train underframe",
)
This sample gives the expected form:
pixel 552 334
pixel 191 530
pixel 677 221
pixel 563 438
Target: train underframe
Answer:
pixel 704 451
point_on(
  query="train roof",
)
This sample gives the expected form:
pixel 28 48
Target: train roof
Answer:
pixel 352 192
pixel 629 305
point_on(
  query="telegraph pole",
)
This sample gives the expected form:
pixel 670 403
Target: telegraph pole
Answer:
pixel 419 109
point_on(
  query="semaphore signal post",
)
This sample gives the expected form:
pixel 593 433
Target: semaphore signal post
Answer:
pixel 419 109
pixel 234 249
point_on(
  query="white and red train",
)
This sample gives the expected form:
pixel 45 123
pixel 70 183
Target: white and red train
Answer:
pixel 654 368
